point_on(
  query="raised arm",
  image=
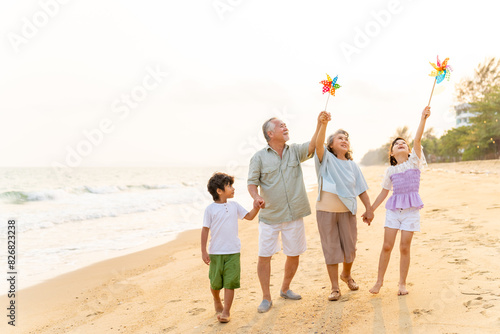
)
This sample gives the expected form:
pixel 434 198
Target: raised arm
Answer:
pixel 417 144
pixel 322 117
pixel 320 138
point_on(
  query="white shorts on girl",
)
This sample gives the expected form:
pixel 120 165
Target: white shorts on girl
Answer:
pixel 403 219
pixel 293 238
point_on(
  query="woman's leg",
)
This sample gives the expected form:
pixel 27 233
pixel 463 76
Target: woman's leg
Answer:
pixel 385 256
pixel 404 266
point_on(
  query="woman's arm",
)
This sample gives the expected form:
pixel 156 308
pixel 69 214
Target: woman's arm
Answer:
pixel 417 146
pixel 320 138
pixel 322 117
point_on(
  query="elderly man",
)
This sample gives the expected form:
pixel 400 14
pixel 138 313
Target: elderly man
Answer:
pixel 276 170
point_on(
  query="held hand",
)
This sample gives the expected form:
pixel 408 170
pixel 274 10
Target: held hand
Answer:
pixel 205 257
pixel 259 202
pixel 426 112
pixel 324 117
pixel 368 217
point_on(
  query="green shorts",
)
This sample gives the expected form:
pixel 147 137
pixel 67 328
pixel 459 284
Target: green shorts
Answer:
pixel 224 271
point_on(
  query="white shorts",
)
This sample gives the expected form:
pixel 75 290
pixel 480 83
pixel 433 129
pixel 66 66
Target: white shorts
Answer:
pixel 293 238
pixel 403 219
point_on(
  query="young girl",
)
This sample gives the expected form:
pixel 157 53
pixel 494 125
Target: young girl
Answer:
pixel 404 204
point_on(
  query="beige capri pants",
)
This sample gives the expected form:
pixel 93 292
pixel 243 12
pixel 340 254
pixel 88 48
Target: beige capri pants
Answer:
pixel 339 233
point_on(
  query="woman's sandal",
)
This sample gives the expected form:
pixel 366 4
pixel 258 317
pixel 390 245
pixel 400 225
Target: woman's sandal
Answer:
pixel 335 295
pixel 350 283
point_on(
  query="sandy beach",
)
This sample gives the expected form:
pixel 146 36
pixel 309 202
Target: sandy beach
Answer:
pixel 454 278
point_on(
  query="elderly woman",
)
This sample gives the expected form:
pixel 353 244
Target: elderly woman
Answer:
pixel 340 181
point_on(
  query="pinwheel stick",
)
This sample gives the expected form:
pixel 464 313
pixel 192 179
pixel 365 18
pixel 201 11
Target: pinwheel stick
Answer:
pixel 428 104
pixel 327 100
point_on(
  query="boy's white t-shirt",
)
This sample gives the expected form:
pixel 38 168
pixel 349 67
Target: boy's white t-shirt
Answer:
pixel 222 220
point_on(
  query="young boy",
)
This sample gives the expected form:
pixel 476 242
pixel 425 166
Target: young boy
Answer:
pixel 221 219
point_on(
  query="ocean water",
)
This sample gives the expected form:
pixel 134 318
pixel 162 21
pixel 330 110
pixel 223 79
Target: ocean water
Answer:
pixel 71 218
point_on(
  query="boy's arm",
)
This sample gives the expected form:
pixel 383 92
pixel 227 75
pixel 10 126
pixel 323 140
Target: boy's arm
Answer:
pixel 251 215
pixel 380 198
pixel 204 237
pixel 417 146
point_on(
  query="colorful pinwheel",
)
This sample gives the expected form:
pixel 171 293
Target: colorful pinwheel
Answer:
pixel 330 85
pixel 441 71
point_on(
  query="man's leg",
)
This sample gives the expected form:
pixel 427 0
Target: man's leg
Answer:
pixel 291 265
pixel 264 273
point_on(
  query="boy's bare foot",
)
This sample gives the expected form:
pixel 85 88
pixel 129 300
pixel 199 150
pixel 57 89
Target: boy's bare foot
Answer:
pixel 402 290
pixel 218 306
pixel 376 288
pixel 223 318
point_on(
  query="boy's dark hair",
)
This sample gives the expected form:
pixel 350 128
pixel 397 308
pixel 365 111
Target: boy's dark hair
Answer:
pixel 219 181
pixel 393 160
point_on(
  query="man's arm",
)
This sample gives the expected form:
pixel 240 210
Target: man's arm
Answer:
pixel 257 199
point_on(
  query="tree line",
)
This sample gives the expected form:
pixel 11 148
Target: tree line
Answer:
pixel 477 141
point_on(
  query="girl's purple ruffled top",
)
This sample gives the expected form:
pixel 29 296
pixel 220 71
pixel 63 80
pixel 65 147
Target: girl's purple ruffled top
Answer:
pixel 405 190
pixel 405 182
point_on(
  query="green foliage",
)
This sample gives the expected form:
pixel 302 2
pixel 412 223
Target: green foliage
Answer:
pixel 486 76
pixel 481 140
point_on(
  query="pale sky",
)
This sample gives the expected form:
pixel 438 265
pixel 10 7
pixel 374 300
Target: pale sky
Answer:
pixel 159 83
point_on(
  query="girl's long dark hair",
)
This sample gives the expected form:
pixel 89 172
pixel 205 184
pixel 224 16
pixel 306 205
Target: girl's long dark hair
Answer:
pixel 393 160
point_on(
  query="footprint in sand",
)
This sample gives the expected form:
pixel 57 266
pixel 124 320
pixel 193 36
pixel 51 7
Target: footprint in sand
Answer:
pixel 196 311
pixel 168 329
pixel 458 261
pixel 419 312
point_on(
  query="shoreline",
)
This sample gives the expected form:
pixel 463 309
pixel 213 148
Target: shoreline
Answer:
pixel 165 288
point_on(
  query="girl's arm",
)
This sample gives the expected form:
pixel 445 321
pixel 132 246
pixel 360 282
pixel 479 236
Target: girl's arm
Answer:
pixel 204 238
pixel 380 198
pixel 368 215
pixel 313 144
pixel 420 131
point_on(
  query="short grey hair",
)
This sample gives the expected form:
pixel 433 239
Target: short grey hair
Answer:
pixel 329 142
pixel 268 126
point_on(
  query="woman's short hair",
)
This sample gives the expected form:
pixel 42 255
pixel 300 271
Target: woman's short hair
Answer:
pixel 329 142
